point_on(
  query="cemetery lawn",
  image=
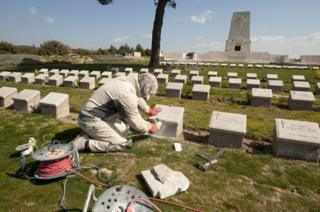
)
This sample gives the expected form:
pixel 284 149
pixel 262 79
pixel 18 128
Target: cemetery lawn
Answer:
pixel 250 179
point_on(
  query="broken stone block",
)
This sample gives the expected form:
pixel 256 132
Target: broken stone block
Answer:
pixel 95 74
pixel 298 78
pixel 197 80
pixel 55 105
pixel 71 81
pixel 275 85
pixel 26 101
pixel 158 71
pixel 300 86
pixel 41 79
pixel 301 100
pixel 297 139
pixel 55 80
pixel 163 78
pixel 252 76
pixel 83 73
pixel 181 79
pixel 235 83
pixel 73 73
pixel 194 73
pixel 212 74
pixel 28 78
pixel 144 70
pixel 200 92
pixel 215 82
pixel 227 129
pixel 253 83
pixel 4 75
pixel 87 83
pixel 14 77
pixel 103 81
pixel 172 121
pixel 175 72
pixel 272 76
pixel 53 72
pixel 6 95
pixel 163 182
pixel 106 74
pixel 174 89
pixel 44 71
pixel 64 72
pixel 261 97
pixel 232 75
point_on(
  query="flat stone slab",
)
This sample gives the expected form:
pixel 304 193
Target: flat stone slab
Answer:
pixel 4 75
pixel 87 83
pixel 197 80
pixel 253 83
pixel 95 74
pixel 175 71
pixel 6 95
pixel 317 91
pixel 144 70
pixel 53 72
pixel 200 92
pixel 235 83
pixel 83 73
pixel 275 85
pixel 194 73
pixel 56 80
pixel 128 70
pixel 158 71
pixel 163 182
pixel 272 76
pixel 73 73
pixel 41 79
pixel 298 78
pixel 28 78
pixel 181 78
pixel 215 81
pixel 174 89
pixel 120 74
pixel 55 105
pixel 172 121
pixel 261 97
pixel 212 74
pixel 301 100
pixel 14 77
pixel 227 129
pixel 232 75
pixel 71 81
pixel 163 78
pixel 44 71
pixel 106 74
pixel 297 139
pixel 252 76
pixel 64 72
pixel 300 86
pixel 26 101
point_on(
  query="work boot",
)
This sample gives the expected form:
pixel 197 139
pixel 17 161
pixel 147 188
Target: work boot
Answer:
pixel 80 142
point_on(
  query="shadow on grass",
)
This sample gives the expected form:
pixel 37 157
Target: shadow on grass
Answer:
pixel 144 185
pixel 196 138
pixel 67 135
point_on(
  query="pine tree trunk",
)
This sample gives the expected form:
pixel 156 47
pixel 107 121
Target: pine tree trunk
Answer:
pixel 156 33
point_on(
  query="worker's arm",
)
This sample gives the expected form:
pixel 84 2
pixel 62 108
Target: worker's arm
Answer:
pixel 129 108
pixel 143 105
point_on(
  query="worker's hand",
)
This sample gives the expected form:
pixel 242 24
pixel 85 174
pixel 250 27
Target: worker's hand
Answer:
pixel 154 111
pixel 154 128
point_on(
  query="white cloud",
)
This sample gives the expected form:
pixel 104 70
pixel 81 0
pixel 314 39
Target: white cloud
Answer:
pixel 293 46
pixel 149 35
pixel 198 38
pixel 33 11
pixel 50 20
pixel 121 40
pixel 203 17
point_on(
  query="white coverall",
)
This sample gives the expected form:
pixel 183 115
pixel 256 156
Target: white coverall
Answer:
pixel 102 117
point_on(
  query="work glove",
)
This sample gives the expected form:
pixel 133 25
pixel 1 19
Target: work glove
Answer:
pixel 154 111
pixel 154 128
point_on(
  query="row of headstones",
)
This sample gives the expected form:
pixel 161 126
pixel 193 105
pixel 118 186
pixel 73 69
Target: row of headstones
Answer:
pixel 54 104
pixel 292 138
pixel 234 65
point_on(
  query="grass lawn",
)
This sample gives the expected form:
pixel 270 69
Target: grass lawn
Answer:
pixel 239 181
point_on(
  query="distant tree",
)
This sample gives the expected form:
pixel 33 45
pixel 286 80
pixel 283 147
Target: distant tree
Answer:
pixel 25 49
pixel 147 52
pixel 139 48
pixel 157 28
pixel 81 52
pixel 113 50
pixel 53 47
pixel 7 48
pixel 123 49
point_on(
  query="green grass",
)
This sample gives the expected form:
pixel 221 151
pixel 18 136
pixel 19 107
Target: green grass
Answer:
pixel 239 181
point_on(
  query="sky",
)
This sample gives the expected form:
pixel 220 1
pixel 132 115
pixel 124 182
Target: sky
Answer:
pixel 290 27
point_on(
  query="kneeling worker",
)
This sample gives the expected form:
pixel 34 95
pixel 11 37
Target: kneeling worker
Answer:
pixel 112 109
